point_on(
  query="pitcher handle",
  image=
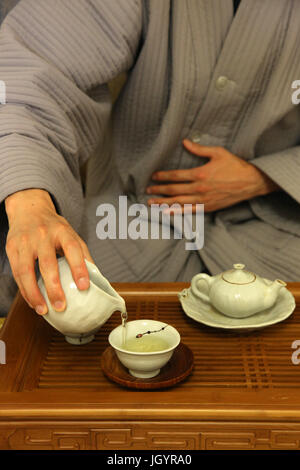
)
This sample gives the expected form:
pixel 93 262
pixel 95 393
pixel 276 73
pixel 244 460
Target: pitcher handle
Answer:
pixel 194 286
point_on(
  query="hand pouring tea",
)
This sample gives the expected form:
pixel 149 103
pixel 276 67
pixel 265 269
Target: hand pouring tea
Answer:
pixel 86 310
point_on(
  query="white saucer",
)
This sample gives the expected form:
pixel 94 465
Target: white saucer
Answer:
pixel 205 313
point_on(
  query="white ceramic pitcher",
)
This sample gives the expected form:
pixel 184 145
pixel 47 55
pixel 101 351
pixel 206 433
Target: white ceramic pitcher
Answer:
pixel 87 310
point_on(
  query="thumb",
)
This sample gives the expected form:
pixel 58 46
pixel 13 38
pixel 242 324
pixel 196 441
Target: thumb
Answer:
pixel 201 150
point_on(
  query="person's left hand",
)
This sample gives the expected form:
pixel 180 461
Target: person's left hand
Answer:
pixel 222 182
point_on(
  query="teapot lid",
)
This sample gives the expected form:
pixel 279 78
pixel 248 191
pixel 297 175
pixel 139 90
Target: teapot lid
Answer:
pixel 237 275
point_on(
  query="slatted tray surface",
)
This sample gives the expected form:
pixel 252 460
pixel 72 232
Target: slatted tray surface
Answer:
pixel 223 360
pixel 256 360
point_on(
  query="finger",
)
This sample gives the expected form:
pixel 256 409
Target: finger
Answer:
pixel 26 273
pixel 87 255
pixel 75 257
pixel 13 265
pixel 13 257
pixel 174 175
pixel 189 199
pixel 21 288
pixel 190 209
pixel 203 150
pixel 173 189
pixel 49 271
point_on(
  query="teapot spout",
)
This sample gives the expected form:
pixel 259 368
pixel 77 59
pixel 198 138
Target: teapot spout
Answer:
pixel 273 291
pixel 278 284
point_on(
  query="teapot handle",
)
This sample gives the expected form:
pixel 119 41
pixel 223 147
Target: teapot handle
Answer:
pixel 195 289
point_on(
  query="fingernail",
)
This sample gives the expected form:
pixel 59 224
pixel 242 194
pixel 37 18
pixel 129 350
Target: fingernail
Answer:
pixel 41 309
pixel 59 305
pixel 83 283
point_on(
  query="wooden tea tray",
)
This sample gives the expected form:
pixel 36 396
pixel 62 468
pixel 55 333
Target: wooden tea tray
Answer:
pixel 243 392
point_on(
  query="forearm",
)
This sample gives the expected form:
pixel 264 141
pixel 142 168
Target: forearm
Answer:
pixel 50 124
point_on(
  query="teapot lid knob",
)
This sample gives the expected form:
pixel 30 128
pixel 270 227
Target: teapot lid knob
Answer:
pixel 238 266
pixel 238 275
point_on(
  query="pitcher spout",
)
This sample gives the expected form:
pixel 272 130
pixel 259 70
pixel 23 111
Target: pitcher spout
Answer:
pixel 118 305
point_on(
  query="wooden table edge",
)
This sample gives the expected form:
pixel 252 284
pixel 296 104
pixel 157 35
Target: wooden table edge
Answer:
pixel 154 414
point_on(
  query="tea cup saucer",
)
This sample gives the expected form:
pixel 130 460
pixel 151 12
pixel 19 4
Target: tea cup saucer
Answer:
pixel 207 314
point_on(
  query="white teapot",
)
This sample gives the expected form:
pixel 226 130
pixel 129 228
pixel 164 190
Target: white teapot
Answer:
pixel 236 293
pixel 86 310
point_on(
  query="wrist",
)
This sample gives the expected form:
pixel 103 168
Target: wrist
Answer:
pixel 263 184
pixel 28 199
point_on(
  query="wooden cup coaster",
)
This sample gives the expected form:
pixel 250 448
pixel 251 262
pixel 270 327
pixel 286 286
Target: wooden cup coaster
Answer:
pixel 177 369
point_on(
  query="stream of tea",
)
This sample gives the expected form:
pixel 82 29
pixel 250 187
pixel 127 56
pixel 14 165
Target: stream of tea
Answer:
pixel 124 317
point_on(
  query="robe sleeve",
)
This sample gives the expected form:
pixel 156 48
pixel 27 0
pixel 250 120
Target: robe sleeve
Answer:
pixel 283 168
pixel 56 57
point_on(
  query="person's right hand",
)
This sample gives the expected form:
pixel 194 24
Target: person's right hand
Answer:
pixel 37 232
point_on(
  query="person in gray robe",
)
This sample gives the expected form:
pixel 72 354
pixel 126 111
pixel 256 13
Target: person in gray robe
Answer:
pixel 195 71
